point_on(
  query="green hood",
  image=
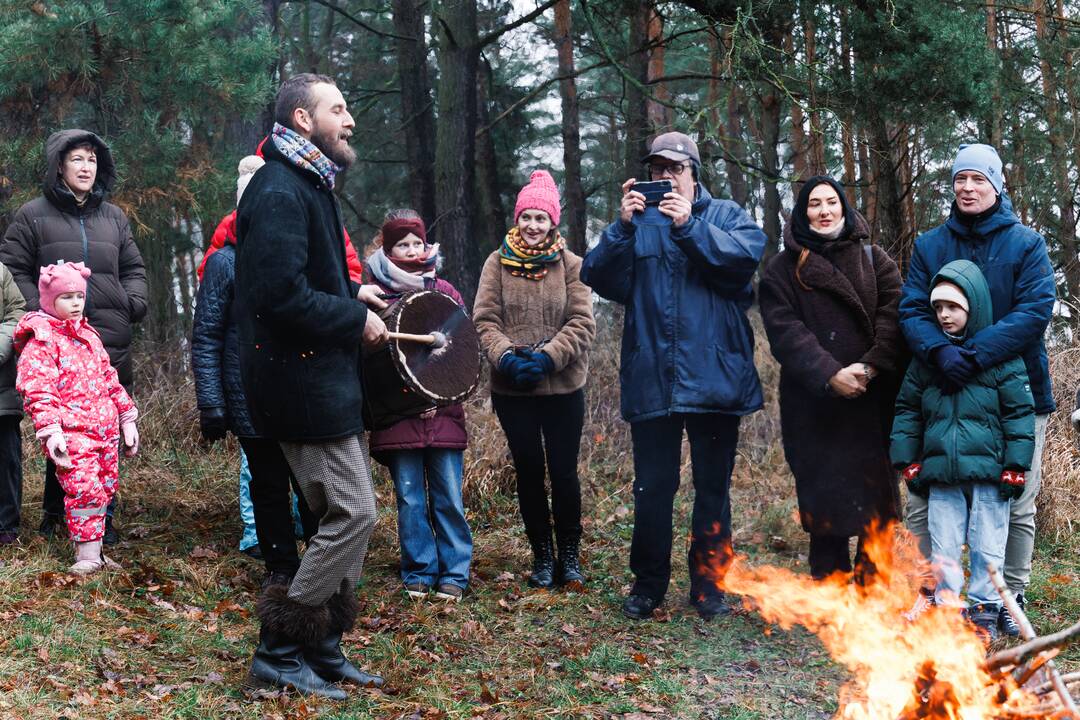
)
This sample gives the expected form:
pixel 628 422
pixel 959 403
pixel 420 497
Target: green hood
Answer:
pixel 967 276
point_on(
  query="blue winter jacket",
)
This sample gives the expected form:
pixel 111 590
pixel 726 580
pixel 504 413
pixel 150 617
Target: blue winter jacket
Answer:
pixel 1014 260
pixel 215 359
pixel 687 345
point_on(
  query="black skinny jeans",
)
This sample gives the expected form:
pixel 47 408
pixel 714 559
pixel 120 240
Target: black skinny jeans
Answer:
pixel 657 451
pixel 539 426
pixel 10 473
pixel 270 481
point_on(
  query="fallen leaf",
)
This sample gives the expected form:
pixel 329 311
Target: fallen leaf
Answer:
pixel 203 553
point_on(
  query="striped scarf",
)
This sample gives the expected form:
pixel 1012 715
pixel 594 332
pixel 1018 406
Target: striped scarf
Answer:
pixel 302 152
pixel 529 261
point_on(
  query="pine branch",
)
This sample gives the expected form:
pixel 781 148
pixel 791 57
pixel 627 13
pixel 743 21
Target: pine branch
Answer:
pixel 523 20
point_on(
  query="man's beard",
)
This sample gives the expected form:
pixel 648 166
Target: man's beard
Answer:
pixel 332 146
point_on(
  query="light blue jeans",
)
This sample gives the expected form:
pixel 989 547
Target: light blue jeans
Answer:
pixel 436 544
pixel 247 511
pixel 972 513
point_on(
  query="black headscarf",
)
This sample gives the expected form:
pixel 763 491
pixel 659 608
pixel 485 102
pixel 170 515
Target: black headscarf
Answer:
pixel 800 223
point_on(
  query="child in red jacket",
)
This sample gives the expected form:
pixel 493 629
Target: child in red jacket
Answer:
pixel 77 404
pixel 424 454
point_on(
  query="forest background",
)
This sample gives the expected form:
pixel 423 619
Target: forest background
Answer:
pixel 455 102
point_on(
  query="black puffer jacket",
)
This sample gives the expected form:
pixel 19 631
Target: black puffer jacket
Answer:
pixel 55 227
pixel 215 355
pixel 296 308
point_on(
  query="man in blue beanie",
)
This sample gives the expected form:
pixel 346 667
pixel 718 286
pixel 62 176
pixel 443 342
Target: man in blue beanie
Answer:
pixel 983 228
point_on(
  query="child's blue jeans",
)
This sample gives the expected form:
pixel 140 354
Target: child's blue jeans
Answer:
pixel 971 513
pixel 436 545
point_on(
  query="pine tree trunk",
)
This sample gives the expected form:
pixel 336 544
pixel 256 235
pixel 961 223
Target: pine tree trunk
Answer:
pixel 573 192
pixel 455 143
pixel 889 212
pixel 740 188
pixel 637 65
pixel 492 218
pixel 1066 200
pixel 659 114
pixel 847 125
pixel 416 105
pixel 995 121
pixel 770 140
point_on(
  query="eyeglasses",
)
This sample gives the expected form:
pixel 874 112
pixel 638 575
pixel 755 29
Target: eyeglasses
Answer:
pixel 675 170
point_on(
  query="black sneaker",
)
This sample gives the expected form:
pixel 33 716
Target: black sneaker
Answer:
pixel 111 536
pixel 711 606
pixel 47 528
pixel 984 616
pixel 1006 623
pixel 639 607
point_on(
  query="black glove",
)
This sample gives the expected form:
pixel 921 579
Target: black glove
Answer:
pixel 957 365
pixel 212 423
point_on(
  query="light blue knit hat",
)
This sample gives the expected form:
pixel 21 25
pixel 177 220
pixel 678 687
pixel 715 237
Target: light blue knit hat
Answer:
pixel 982 159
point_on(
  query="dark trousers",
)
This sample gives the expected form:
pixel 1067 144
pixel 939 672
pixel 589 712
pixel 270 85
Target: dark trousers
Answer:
pixel 271 478
pixel 539 427
pixel 829 554
pixel 10 473
pixel 657 451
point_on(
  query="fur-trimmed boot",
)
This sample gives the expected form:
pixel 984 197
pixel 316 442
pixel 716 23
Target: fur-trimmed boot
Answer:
pixel 325 656
pixel 288 627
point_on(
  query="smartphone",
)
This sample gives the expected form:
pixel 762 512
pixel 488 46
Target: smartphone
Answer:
pixel 653 190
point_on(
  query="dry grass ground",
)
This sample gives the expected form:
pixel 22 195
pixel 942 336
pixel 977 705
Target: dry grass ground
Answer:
pixel 171 635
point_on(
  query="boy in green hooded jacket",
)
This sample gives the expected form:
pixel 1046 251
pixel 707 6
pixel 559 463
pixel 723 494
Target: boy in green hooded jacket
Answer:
pixel 966 448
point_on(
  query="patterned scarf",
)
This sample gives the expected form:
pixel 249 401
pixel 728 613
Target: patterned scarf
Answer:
pixel 528 261
pixel 394 274
pixel 302 153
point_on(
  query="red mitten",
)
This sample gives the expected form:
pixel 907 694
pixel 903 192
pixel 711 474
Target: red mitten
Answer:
pixel 914 484
pixel 1012 484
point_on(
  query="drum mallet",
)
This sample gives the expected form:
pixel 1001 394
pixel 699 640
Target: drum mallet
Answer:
pixel 435 338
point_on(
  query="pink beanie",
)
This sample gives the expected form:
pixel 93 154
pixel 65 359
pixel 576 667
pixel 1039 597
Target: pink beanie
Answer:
pixel 539 194
pixel 55 280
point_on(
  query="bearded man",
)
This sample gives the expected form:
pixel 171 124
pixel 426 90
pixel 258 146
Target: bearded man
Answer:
pixel 301 326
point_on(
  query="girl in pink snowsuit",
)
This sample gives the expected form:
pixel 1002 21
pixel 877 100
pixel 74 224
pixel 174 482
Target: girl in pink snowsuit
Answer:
pixel 78 406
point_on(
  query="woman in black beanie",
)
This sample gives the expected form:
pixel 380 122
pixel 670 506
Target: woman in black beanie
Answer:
pixel 829 304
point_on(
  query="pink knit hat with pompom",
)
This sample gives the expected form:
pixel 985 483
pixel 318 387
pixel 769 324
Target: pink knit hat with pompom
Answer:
pixel 55 280
pixel 540 194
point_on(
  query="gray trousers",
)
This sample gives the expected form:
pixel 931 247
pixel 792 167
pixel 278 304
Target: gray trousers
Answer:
pixel 1017 570
pixel 335 478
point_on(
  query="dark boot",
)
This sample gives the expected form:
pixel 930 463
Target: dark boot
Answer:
pixel 287 628
pixel 325 656
pixel 543 569
pixel 279 663
pixel 568 571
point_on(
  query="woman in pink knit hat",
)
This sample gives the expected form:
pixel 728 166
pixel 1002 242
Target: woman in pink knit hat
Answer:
pixel 535 320
pixel 78 406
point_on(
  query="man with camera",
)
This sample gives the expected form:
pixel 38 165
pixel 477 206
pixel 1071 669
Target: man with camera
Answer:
pixel 680 262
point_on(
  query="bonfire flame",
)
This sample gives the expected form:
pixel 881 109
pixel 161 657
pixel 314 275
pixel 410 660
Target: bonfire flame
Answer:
pixel 933 667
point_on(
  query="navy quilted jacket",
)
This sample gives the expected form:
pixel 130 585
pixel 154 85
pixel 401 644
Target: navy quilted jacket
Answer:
pixel 215 359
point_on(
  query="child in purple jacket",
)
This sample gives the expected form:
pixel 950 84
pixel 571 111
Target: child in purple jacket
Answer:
pixel 424 454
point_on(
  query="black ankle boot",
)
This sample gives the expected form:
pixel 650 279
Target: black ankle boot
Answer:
pixel 325 658
pixel 569 568
pixel 543 569
pixel 279 663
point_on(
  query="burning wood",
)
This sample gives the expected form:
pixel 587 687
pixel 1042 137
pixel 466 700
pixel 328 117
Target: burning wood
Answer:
pixel 933 667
